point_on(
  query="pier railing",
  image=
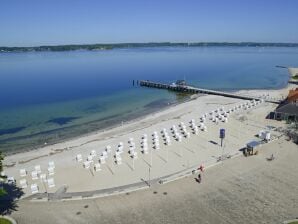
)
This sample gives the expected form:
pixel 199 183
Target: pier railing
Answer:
pixel 195 90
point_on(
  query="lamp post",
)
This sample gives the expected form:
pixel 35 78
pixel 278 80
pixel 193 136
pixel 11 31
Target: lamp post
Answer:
pixel 151 157
pixel 222 134
pixel 167 154
pixel 149 177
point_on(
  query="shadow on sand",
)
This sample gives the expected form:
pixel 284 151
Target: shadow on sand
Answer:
pixel 8 202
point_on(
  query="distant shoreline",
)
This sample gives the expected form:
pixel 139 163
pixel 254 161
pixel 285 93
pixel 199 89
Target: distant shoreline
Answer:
pixel 97 47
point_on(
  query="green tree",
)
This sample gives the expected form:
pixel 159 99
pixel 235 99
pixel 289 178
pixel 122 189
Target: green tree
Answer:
pixel 1 162
pixel 2 191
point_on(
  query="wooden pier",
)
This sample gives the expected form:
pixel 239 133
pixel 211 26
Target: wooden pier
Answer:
pixel 195 90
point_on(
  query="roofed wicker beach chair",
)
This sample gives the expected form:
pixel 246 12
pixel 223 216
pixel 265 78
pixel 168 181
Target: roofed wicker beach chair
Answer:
pixel 97 167
pixel 51 182
pixel 90 158
pixel 34 188
pixel 51 171
pixel 93 153
pixel 23 183
pixel 34 175
pixel 79 158
pixel 108 149
pixel 51 164
pixel 23 172
pixel 86 164
pixel 37 168
pixel 118 160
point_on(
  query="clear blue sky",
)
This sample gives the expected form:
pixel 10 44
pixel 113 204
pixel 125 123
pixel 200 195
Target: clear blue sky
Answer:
pixel 49 22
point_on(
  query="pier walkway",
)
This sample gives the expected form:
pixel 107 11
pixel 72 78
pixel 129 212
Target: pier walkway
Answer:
pixel 195 90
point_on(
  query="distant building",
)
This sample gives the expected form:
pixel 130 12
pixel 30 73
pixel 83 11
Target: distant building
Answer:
pixel 288 110
pixel 180 83
pixel 293 96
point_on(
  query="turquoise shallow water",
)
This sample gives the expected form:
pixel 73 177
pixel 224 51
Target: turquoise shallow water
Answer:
pixel 50 96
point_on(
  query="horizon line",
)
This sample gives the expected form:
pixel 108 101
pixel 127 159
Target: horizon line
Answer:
pixel 153 42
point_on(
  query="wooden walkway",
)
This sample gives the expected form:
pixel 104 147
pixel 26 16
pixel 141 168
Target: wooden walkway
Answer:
pixel 195 90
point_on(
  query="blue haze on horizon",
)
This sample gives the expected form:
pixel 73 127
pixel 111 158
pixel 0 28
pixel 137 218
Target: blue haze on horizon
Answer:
pixel 34 22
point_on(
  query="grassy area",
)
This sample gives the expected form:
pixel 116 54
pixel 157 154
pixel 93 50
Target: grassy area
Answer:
pixel 295 222
pixel 2 192
pixel 4 221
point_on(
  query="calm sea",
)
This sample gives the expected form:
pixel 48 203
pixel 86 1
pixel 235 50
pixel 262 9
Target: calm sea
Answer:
pixel 51 96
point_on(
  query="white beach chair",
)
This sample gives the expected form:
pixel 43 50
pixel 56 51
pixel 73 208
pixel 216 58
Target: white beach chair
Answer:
pixel 196 131
pixel 130 140
pixel 143 143
pixel 23 183
pixel 102 160
pixel 104 154
pixel 97 167
pixel 108 149
pixel 179 138
pixel 144 136
pixel 51 182
pixel 23 172
pixel 120 148
pixel 118 160
pixel 93 153
pixel 37 168
pixel 34 175
pixel 117 154
pixel 51 171
pixel 134 155
pixel 34 188
pixel 43 177
pixel 131 151
pixel 52 164
pixel 168 143
pixel 79 158
pixel 155 136
pixel 90 158
pixel 11 180
pixel 86 164
pixel 145 150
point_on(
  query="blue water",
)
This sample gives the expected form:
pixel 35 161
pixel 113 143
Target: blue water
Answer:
pixel 49 96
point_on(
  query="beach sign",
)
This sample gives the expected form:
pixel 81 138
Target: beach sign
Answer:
pixel 222 135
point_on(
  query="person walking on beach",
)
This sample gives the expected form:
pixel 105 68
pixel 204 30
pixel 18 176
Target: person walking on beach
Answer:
pixel 199 178
pixel 201 168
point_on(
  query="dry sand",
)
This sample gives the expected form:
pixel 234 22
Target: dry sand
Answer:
pixel 241 190
pixel 198 149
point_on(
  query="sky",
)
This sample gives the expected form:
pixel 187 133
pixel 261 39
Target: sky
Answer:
pixel 54 22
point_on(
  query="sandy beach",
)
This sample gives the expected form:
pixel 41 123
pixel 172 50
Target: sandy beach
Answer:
pixel 293 71
pixel 201 149
pixel 241 190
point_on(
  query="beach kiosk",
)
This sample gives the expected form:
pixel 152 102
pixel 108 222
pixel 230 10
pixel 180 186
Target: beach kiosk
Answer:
pixel 251 147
